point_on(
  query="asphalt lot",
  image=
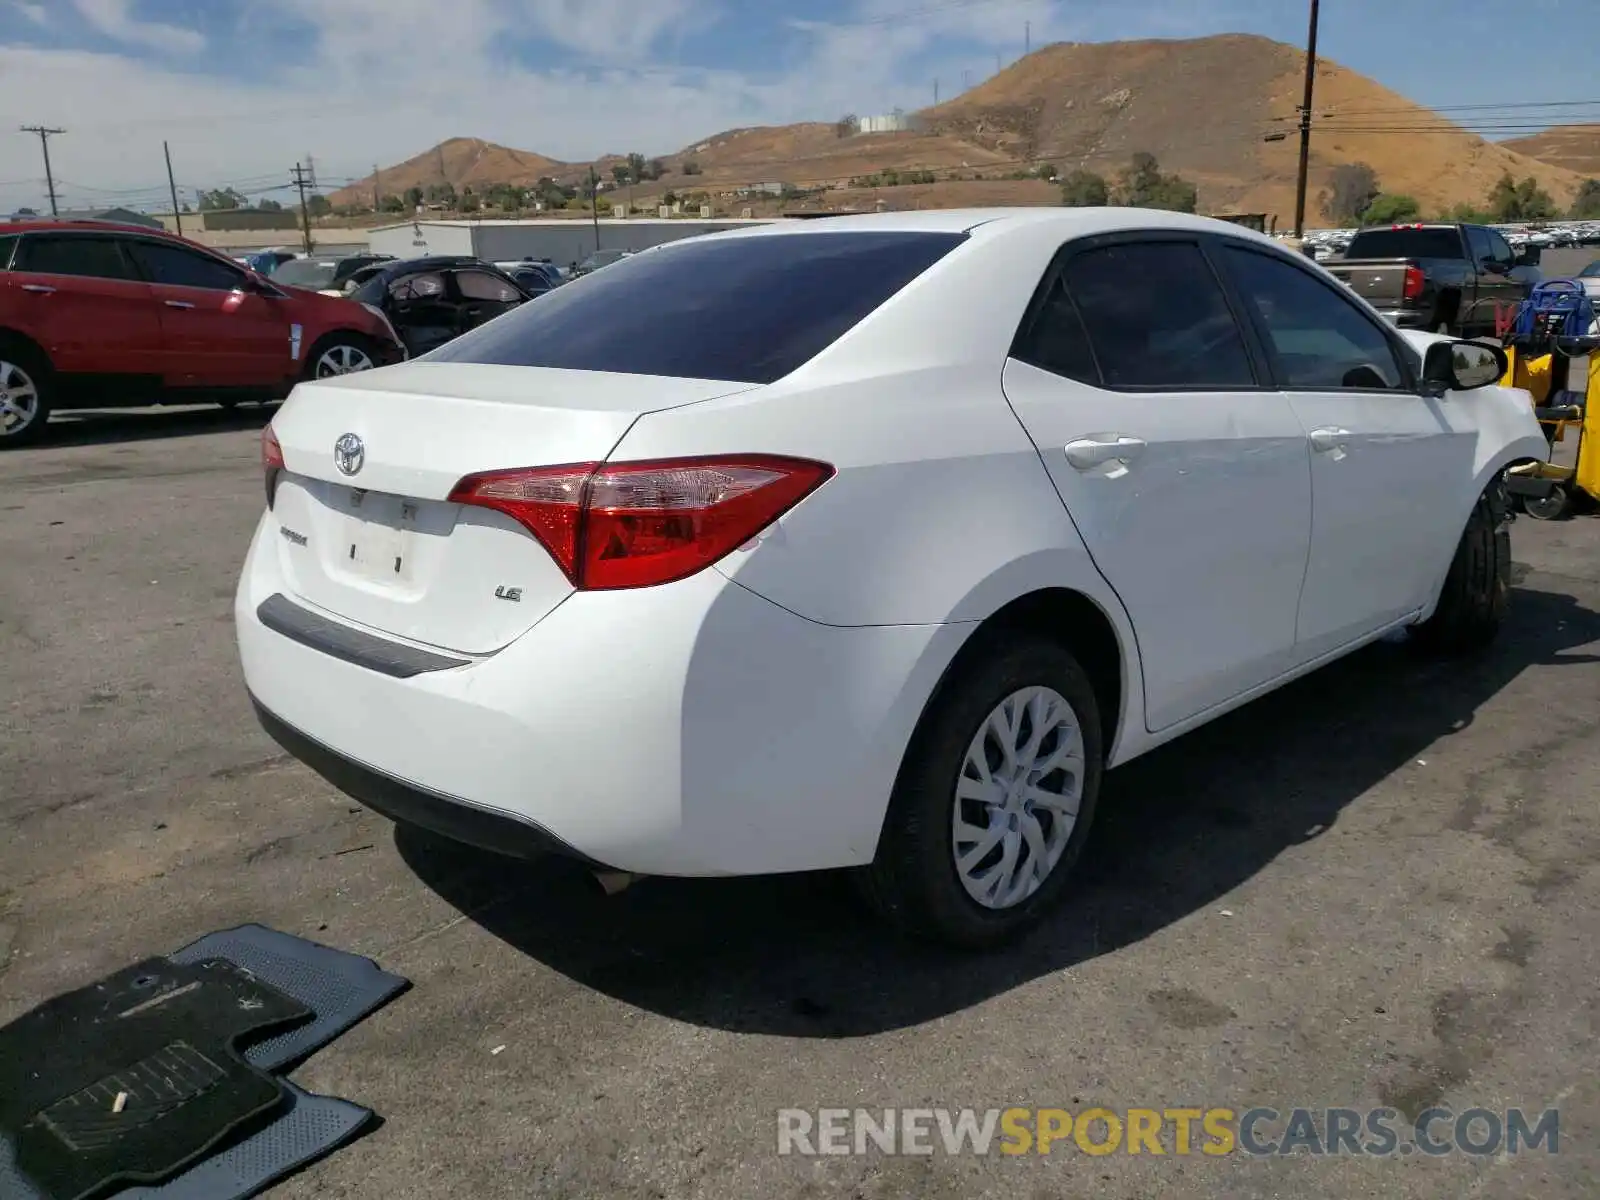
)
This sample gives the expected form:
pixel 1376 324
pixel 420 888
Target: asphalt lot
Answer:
pixel 1377 887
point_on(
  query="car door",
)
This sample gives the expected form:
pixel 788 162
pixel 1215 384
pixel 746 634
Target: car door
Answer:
pixel 483 297
pixel 216 333
pixel 1386 462
pixel 77 294
pixel 423 314
pixel 1183 471
pixel 1519 278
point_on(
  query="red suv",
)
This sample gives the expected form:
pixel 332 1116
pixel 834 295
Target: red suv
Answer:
pixel 94 314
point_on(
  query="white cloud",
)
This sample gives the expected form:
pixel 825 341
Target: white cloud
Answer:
pixel 112 18
pixel 34 12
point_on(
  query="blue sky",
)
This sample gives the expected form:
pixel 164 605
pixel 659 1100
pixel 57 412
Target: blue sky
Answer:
pixel 243 88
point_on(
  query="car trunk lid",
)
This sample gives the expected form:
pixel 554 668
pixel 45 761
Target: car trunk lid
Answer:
pixel 381 545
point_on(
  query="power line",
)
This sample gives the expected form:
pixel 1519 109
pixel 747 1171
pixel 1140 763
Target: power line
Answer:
pixel 45 134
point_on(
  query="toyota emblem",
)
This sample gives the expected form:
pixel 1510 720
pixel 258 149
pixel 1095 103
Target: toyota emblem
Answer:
pixel 349 453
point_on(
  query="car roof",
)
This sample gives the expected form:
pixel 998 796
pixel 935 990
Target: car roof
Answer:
pixel 987 222
pixel 82 225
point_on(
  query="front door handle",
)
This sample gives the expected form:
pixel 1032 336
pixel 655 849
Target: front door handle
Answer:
pixel 177 304
pixel 1328 439
pixel 42 289
pixel 1091 452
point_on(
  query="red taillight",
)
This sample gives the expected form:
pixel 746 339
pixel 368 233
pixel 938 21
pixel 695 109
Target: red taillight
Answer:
pixel 636 524
pixel 1413 285
pixel 271 462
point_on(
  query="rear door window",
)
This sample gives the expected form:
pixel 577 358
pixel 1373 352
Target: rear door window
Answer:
pixel 743 309
pixel 8 244
pixel 1157 317
pixel 88 255
pixel 1056 340
pixel 480 285
pixel 178 266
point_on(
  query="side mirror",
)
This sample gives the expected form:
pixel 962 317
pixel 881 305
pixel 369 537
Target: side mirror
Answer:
pixel 1496 267
pixel 1461 367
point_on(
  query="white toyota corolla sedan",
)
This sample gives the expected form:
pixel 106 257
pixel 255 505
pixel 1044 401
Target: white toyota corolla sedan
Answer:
pixel 867 542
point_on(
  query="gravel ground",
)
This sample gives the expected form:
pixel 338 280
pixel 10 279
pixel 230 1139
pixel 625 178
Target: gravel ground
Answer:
pixel 1375 888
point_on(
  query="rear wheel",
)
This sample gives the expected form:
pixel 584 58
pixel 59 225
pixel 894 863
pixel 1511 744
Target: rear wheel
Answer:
pixel 1477 589
pixel 994 799
pixel 25 393
pixel 341 354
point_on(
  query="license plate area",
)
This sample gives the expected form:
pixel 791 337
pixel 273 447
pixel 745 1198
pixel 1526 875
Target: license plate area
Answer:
pixel 379 532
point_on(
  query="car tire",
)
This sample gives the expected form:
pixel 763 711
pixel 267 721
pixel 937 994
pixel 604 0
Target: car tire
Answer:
pixel 914 881
pixel 24 370
pixel 344 348
pixel 1477 589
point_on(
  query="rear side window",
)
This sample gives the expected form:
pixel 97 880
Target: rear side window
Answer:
pixel 1157 317
pixel 73 254
pixel 1056 341
pixel 1406 243
pixel 480 285
pixel 747 309
pixel 178 266
pixel 7 245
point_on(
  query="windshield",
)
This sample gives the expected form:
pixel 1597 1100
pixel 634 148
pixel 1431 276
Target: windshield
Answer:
pixel 305 273
pixel 1592 271
pixel 1406 243
pixel 761 306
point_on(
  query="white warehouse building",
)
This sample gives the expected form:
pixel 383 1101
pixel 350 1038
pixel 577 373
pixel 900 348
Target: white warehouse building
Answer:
pixel 562 241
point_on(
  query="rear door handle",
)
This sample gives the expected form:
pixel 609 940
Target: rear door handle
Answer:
pixel 1088 453
pixel 42 289
pixel 1328 439
pixel 177 304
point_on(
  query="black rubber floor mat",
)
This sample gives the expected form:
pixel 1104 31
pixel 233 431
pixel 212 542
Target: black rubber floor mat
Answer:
pixel 341 988
pixel 310 1127
pixel 132 1078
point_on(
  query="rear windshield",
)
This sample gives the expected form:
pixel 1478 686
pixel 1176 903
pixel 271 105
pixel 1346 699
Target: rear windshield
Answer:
pixel 747 309
pixel 1406 243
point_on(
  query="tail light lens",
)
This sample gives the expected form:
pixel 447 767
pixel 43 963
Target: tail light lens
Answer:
pixel 628 525
pixel 1413 284
pixel 271 462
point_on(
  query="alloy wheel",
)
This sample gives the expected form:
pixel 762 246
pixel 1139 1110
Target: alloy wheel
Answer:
pixel 19 399
pixel 343 359
pixel 1017 797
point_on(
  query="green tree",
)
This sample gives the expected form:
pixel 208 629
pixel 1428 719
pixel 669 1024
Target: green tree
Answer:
pixel 1351 190
pixel 219 199
pixel 392 204
pixel 1469 214
pixel 441 193
pixel 1586 204
pixel 1084 189
pixel 1046 171
pixel 622 173
pixel 318 206
pixel 413 198
pixel 1524 201
pixel 1390 207
pixel 690 167
pixel 636 167
pixel 655 169
pixel 469 200
pixel 269 205
pixel 1143 185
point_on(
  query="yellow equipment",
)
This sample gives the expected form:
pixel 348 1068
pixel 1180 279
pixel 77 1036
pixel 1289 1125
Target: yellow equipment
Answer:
pixel 1547 491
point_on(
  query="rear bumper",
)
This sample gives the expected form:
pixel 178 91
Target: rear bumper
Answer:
pixel 691 729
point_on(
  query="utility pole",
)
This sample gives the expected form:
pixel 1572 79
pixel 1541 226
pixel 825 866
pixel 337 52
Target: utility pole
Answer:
pixel 594 204
pixel 936 93
pixel 172 188
pixel 1305 127
pixel 1027 38
pixel 377 179
pixel 301 178
pixel 45 134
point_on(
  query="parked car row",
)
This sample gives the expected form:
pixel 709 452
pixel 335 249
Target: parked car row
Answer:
pixel 94 315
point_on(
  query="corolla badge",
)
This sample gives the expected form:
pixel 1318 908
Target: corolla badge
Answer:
pixel 349 453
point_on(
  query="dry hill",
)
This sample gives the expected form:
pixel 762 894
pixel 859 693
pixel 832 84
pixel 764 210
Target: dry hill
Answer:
pixel 1202 106
pixel 458 161
pixel 1575 147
